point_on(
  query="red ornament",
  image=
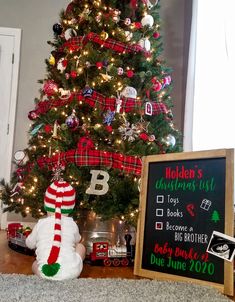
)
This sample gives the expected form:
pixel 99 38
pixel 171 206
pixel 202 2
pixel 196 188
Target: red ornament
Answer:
pixel 130 73
pixel 144 136
pixel 73 74
pixel 99 65
pixel 85 143
pixel 50 87
pixel 47 128
pixel 147 54
pixel 109 128
pixel 154 80
pixel 137 25
pixel 156 35
pixel 157 87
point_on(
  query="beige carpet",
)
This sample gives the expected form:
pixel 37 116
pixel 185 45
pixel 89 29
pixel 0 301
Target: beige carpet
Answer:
pixel 22 288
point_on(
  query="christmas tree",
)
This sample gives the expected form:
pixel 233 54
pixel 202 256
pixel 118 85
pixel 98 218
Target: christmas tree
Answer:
pixel 104 103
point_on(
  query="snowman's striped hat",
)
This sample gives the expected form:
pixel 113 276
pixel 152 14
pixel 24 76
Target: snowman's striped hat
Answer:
pixel 59 198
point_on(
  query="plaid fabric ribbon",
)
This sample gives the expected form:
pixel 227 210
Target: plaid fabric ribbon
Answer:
pixel 115 45
pixel 44 106
pixel 128 104
pixel 76 43
pixel 159 108
pixel 126 163
pixel 105 103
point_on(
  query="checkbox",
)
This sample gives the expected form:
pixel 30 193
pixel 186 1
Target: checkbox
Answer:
pixel 160 198
pixel 159 212
pixel 159 226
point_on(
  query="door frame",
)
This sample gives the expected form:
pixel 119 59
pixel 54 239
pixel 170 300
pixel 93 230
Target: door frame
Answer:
pixel 16 33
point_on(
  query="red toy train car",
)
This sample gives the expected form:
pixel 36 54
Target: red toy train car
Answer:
pixel 16 236
pixel 118 255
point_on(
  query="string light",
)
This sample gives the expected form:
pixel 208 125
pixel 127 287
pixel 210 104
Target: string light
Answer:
pixel 27 210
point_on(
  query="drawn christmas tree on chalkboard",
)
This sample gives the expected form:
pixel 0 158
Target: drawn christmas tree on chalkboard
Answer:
pixel 215 216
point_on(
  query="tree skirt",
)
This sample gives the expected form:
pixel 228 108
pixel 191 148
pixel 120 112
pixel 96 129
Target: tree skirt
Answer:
pixel 23 288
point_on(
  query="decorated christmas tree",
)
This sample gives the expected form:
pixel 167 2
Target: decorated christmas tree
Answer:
pixel 104 103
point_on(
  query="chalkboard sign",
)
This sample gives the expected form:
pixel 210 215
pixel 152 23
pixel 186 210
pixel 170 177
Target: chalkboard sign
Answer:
pixel 184 198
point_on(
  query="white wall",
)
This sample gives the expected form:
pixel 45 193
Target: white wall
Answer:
pixel 36 19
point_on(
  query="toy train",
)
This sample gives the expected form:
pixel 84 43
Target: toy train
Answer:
pixel 118 255
pixel 102 252
pixel 16 236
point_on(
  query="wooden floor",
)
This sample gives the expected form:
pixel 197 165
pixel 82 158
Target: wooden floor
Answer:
pixel 14 262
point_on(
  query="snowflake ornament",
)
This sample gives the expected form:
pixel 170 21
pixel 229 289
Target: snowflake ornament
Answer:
pixel 58 171
pixel 128 132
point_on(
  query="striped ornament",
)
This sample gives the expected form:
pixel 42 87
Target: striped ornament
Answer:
pixel 59 199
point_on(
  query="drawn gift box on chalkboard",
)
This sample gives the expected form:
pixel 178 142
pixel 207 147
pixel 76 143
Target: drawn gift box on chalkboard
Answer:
pixel 222 246
pixel 206 204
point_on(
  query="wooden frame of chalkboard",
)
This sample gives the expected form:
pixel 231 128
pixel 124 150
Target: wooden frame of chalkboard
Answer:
pixel 184 197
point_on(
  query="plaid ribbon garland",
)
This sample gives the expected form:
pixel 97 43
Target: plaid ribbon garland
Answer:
pixel 76 43
pixel 105 103
pixel 128 104
pixel 73 44
pixel 126 163
pixel 159 108
pixel 115 45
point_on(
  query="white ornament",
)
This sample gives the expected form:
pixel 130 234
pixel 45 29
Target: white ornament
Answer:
pixel 17 188
pixel 69 33
pixel 148 108
pixel 170 140
pixel 116 19
pixel 120 71
pixel 118 105
pixel 103 183
pixel 129 92
pixel 151 3
pixel 145 43
pixel 128 35
pixel 147 21
pixel 60 66
pixel 98 18
pixel 127 21
pixel 128 132
pixel 64 94
pixel 21 157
